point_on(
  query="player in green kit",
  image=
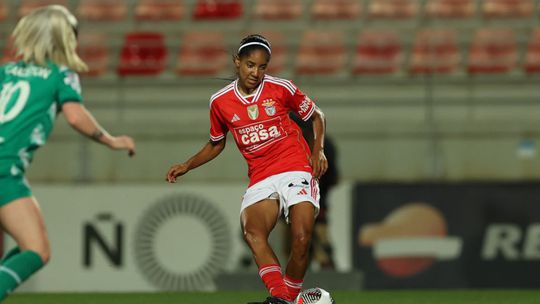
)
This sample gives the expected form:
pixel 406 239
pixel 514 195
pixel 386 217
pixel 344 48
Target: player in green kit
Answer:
pixel 33 91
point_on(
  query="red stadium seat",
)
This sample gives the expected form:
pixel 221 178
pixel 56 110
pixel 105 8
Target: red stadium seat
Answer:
pixel 8 53
pixel 159 10
pixel 279 52
pixel 27 6
pixel 393 9
pixel 202 54
pixel 93 50
pixel 336 9
pixel 102 10
pixel 217 9
pixel 507 8
pixel 321 53
pixel 3 10
pixel 434 51
pixel 143 53
pixel 493 51
pixel 378 52
pixel 458 9
pixel 278 9
pixel 532 57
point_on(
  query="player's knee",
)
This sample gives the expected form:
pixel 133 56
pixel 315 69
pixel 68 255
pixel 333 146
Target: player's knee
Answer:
pixel 254 239
pixel 45 254
pixel 300 243
pixel 42 249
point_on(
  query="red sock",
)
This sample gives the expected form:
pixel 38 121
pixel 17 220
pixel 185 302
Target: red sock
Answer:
pixel 293 286
pixel 271 276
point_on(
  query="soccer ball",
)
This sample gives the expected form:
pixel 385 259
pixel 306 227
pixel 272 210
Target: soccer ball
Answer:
pixel 314 296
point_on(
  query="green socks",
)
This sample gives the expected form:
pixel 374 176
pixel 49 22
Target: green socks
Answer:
pixel 16 269
pixel 12 252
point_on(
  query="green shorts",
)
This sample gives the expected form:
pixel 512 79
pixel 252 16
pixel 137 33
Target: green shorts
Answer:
pixel 12 188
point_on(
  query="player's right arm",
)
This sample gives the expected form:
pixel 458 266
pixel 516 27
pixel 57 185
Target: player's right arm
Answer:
pixel 206 154
pixel 216 144
pixel 83 121
pixel 69 98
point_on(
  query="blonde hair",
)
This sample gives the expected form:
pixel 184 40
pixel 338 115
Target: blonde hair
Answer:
pixel 48 33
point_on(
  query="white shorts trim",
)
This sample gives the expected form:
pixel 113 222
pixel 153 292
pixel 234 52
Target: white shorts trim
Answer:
pixel 291 187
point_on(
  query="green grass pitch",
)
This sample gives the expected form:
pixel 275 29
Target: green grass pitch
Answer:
pixel 341 297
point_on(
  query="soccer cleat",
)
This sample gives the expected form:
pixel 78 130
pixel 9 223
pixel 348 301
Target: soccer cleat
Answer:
pixel 273 300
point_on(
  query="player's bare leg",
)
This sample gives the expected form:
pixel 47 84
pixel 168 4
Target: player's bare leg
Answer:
pixel 257 222
pixel 22 220
pixel 302 218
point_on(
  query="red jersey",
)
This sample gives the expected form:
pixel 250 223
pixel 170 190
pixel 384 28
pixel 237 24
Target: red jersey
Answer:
pixel 268 139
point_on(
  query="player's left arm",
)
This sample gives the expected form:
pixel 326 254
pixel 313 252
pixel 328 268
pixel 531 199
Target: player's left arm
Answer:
pixel 318 159
pixel 307 110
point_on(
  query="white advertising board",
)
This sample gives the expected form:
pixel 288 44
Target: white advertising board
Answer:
pixel 153 237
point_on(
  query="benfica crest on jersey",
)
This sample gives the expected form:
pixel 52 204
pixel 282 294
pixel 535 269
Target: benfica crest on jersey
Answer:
pixel 253 112
pixel 269 107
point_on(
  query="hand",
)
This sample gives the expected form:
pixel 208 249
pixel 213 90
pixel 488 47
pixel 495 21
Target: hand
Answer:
pixel 176 171
pixel 123 143
pixel 319 163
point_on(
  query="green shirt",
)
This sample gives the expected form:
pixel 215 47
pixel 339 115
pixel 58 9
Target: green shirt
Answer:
pixel 31 96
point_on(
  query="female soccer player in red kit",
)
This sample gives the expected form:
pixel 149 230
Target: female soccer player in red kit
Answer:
pixel 283 171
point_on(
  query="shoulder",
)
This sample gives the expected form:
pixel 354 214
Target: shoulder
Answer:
pixel 280 82
pixel 68 77
pixel 221 93
pixel 62 69
pixel 65 72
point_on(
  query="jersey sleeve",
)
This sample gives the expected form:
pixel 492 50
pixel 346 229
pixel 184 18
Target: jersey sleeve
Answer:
pixel 218 129
pixel 301 104
pixel 69 88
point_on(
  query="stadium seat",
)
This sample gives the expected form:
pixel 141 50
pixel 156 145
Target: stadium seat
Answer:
pixel 143 53
pixel 278 9
pixel 279 52
pixel 434 51
pixel 217 9
pixel 336 9
pixel 532 57
pixel 378 52
pixel 493 51
pixel 393 9
pixel 202 54
pixel 159 10
pixel 456 9
pixel 507 8
pixel 27 6
pixel 8 54
pixel 93 50
pixel 321 53
pixel 102 10
pixel 3 10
